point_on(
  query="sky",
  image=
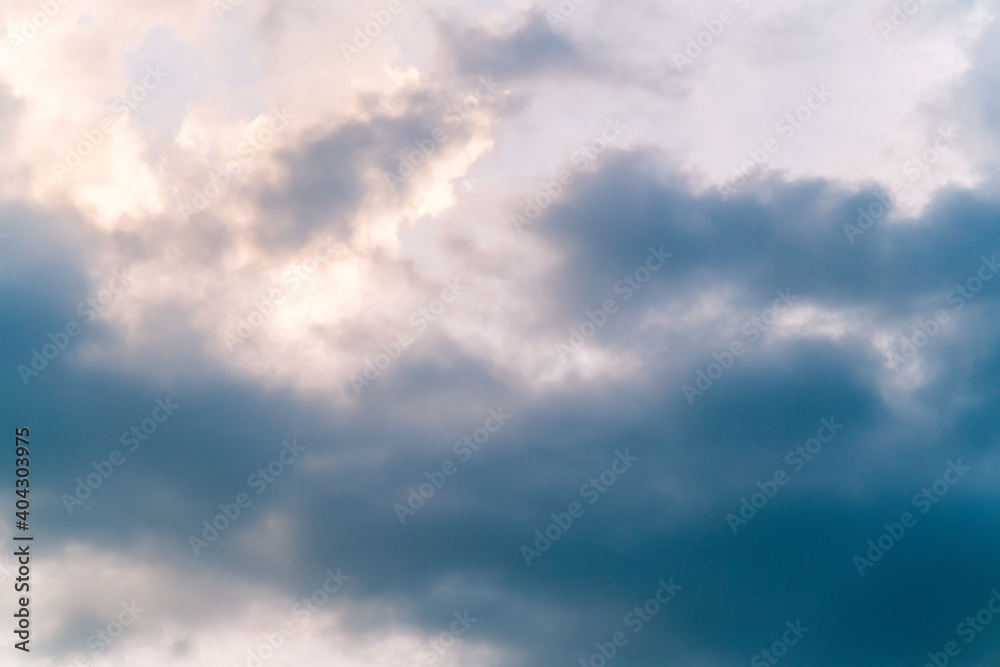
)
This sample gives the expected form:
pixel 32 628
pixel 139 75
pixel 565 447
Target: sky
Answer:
pixel 503 332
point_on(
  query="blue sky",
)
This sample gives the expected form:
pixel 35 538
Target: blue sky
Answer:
pixel 503 333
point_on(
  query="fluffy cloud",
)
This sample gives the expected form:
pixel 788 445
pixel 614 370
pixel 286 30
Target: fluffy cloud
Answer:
pixel 560 217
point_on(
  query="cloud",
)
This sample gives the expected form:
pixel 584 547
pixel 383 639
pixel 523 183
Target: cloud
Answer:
pixel 533 47
pixel 355 286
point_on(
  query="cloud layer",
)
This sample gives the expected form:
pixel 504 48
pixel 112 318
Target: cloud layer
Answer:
pixel 503 333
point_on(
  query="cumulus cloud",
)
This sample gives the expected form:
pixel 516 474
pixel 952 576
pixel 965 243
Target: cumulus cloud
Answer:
pixel 485 330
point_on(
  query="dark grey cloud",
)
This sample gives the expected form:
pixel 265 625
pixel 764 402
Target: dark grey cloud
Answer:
pixel 795 239
pixel 663 518
pixel 334 173
pixel 531 48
